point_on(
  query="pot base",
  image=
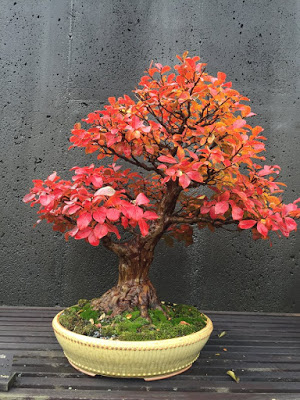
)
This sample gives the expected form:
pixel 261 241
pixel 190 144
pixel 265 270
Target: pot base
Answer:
pixel 158 377
pixel 80 369
pixel 150 378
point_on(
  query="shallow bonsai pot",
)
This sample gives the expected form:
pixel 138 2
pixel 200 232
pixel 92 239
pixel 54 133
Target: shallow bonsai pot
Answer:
pixel 150 360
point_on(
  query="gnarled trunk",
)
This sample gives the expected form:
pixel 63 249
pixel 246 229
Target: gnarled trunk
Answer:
pixel 134 288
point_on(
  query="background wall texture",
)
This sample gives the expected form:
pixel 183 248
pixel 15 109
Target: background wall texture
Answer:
pixel 61 59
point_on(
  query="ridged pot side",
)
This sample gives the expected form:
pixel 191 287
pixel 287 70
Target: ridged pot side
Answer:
pixel 131 359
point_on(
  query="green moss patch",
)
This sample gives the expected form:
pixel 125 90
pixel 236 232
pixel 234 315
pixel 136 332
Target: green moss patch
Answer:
pixel 178 320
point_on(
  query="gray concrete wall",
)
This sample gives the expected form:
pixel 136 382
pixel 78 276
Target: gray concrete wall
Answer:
pixel 61 59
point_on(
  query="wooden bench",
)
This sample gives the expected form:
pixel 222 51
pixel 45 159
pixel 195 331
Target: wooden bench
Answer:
pixel 262 349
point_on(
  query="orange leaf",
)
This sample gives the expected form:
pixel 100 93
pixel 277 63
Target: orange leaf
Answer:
pixel 221 76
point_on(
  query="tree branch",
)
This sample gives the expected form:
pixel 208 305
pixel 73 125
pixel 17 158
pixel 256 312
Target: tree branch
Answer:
pixel 134 160
pixel 196 220
pixel 117 248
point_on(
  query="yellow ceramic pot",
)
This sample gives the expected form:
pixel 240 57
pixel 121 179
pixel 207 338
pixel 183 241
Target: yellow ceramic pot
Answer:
pixel 153 359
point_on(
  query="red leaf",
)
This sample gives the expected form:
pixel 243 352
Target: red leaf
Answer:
pixel 195 176
pixel 127 150
pixel 204 209
pixel 124 221
pixel 136 213
pixel 237 212
pixel 149 149
pixel 225 196
pixel 113 229
pixel 290 224
pixel 52 177
pixel 239 123
pixel 247 223
pixel 213 91
pixel 73 231
pixel 141 199
pixel 150 215
pixel 132 212
pixel 183 97
pixel 193 155
pixel 72 210
pixel 143 227
pixel 45 200
pixel 28 197
pixel 93 240
pixel 113 214
pixel 83 233
pixel 100 215
pixel 84 220
pixel 100 231
pixel 112 100
pixel 184 181
pixel 97 181
pixel 105 191
pixel 288 208
pixel 212 213
pixel 269 169
pixel 167 159
pixel 221 207
pixel 262 228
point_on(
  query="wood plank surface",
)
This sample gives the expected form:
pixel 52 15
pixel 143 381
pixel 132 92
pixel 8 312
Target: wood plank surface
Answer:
pixel 262 349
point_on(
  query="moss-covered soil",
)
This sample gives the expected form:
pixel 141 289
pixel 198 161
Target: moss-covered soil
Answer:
pixel 179 320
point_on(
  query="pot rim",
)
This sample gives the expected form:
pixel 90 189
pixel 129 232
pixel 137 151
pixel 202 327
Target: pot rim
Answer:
pixel 105 343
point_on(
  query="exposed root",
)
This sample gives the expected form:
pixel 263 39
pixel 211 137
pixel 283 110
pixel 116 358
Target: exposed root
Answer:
pixel 127 296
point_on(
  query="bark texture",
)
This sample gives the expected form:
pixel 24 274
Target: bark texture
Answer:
pixel 134 288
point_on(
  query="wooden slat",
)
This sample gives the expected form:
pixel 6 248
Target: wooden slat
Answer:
pixel 263 350
pixel 198 366
pixel 207 375
pixel 177 383
pixel 72 394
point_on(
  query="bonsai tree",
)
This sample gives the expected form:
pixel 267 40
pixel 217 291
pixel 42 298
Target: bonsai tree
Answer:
pixel 194 162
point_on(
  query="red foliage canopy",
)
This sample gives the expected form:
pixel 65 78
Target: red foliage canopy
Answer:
pixel 186 130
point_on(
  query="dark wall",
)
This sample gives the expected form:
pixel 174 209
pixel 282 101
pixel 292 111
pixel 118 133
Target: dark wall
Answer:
pixel 61 59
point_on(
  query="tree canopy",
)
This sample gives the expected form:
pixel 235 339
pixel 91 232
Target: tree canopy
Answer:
pixel 185 138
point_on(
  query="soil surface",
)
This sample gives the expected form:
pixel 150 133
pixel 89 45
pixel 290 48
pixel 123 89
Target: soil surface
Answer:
pixel 174 321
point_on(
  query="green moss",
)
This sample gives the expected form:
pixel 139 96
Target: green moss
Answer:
pixel 131 326
pixel 180 320
pixel 133 315
pixel 76 318
pixel 89 314
pixel 157 316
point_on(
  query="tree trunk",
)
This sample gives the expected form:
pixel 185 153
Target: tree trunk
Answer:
pixel 134 288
